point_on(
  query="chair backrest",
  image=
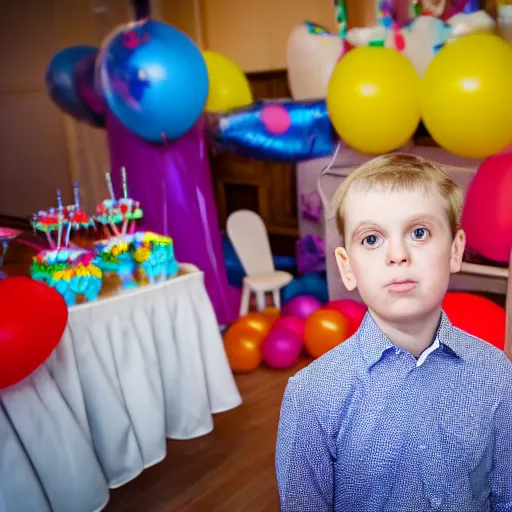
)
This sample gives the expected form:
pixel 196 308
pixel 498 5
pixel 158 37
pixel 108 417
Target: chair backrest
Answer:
pixel 248 234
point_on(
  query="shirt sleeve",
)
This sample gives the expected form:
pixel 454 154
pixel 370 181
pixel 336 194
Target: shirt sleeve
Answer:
pixel 304 456
pixel 501 477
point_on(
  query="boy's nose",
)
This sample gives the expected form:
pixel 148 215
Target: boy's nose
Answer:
pixel 397 253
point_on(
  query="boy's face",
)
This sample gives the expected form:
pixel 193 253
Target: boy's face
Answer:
pixel 399 251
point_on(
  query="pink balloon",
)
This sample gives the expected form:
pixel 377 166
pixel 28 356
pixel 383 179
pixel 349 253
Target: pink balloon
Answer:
pixel 352 310
pixel 291 323
pixel 281 348
pixel 301 306
pixel 487 216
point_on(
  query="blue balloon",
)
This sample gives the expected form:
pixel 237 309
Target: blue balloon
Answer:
pixel 62 87
pixel 302 130
pixel 314 284
pixel 154 80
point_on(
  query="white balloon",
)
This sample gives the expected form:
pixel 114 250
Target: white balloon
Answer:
pixel 311 59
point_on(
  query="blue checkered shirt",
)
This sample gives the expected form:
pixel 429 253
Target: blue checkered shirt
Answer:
pixel 366 428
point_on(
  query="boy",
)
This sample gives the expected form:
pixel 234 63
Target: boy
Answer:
pixel 410 414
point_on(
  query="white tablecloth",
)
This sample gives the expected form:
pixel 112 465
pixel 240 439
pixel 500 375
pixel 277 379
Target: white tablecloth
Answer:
pixel 129 371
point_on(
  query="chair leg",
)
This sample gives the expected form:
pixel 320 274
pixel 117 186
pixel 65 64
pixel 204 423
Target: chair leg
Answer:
pixel 277 298
pixel 244 301
pixel 260 301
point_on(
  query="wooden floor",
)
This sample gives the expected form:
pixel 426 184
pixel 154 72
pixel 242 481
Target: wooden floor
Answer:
pixel 229 470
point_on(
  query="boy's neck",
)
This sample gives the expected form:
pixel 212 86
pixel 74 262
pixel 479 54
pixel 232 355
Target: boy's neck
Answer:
pixel 412 335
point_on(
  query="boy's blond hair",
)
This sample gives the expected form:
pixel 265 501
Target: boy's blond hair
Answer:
pixel 400 172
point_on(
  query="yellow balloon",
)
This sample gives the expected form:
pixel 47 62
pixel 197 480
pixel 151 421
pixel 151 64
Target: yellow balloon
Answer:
pixel 228 85
pixel 373 99
pixel 466 96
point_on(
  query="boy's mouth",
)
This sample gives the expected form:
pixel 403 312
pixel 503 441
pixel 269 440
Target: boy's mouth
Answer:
pixel 401 286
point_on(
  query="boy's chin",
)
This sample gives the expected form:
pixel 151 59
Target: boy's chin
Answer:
pixel 402 311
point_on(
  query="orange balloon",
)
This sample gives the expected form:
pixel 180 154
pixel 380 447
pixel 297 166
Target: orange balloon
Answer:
pixel 259 322
pixel 243 348
pixel 325 329
pixel 272 312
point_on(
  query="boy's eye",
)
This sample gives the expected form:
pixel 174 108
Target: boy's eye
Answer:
pixel 371 241
pixel 419 234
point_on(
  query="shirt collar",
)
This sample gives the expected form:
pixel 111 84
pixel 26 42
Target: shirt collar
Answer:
pixel 374 343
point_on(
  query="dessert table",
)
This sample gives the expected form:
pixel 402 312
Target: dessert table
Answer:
pixel 130 371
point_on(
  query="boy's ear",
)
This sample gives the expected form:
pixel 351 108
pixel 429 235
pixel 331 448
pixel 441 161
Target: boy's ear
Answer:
pixel 347 276
pixel 458 246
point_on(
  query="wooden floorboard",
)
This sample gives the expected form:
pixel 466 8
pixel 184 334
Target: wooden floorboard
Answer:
pixel 229 470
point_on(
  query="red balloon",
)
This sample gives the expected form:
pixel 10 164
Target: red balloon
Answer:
pixel 477 315
pixel 352 310
pixel 33 317
pixel 487 216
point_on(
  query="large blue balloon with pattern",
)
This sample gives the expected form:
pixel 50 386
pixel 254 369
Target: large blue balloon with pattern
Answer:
pixel 154 79
pixel 61 83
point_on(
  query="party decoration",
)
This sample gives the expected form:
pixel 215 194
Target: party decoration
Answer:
pixel 325 329
pixel 313 284
pixel 284 131
pixel 33 317
pixel 310 254
pixel 373 99
pixel 229 87
pixel 243 348
pixel 292 323
pixel 301 307
pixel 466 96
pixel 154 79
pixel 272 312
pixel 86 85
pixel 487 215
pixel 182 173
pixel 421 38
pixel 477 315
pixel 71 272
pixel 62 86
pixel 352 310
pixel 281 349
pixel 260 323
pixel 311 54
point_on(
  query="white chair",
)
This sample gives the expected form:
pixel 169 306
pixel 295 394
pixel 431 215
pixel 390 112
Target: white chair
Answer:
pixel 248 234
